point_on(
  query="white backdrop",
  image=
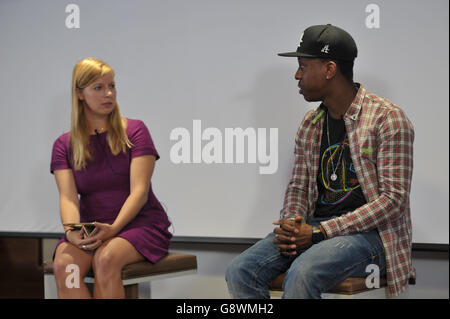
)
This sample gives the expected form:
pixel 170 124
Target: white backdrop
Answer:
pixel 213 61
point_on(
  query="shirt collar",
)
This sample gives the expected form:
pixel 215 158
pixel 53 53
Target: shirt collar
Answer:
pixel 352 112
pixel 355 107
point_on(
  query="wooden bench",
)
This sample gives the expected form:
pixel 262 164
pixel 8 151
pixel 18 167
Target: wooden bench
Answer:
pixel 347 289
pixel 172 265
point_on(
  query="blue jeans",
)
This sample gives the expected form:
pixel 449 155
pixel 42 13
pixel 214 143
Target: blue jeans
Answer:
pixel 314 271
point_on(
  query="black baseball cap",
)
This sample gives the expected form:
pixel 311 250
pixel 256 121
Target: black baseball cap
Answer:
pixel 325 41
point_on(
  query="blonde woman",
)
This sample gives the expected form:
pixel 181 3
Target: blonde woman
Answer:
pixel 103 168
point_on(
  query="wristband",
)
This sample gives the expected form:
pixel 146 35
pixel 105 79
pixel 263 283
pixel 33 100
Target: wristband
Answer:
pixel 317 235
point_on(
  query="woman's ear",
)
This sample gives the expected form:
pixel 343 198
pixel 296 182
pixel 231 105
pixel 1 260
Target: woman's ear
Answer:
pixel 80 94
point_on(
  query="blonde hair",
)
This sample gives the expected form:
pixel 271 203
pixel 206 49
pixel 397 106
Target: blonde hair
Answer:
pixel 84 74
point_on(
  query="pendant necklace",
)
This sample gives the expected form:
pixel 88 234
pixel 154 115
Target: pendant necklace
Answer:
pixel 334 169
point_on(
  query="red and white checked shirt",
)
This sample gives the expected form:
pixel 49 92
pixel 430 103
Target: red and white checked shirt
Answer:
pixel 381 147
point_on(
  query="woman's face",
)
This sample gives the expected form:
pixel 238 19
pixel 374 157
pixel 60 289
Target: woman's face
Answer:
pixel 100 97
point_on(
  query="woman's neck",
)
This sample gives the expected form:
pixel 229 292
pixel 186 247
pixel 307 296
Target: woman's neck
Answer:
pixel 97 124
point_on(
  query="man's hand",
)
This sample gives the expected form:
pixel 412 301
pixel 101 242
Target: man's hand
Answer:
pixel 293 236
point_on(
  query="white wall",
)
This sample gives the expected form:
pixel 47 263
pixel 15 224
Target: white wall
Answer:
pixel 214 61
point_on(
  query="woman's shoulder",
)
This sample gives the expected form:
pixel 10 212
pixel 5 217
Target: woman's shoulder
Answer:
pixel 140 138
pixel 61 148
pixel 134 126
pixel 63 139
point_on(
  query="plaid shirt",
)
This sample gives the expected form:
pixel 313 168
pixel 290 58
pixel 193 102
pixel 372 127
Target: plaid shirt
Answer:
pixel 381 146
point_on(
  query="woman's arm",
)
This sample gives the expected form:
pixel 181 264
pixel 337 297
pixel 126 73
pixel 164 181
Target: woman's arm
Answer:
pixel 70 209
pixel 141 171
pixel 69 204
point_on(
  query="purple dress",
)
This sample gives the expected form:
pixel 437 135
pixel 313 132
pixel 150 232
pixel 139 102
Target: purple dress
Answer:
pixel 104 185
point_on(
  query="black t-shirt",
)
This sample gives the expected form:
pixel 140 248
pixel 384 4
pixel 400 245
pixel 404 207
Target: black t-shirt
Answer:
pixel 339 188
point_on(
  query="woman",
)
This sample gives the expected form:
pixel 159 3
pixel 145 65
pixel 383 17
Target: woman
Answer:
pixel 108 160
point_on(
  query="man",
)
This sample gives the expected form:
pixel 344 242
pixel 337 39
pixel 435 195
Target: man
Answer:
pixel 347 204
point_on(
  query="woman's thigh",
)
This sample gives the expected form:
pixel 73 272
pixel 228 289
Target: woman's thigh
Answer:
pixel 115 253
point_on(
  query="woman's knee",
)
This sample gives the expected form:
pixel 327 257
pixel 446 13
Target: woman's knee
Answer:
pixel 105 264
pixel 65 266
pixel 60 264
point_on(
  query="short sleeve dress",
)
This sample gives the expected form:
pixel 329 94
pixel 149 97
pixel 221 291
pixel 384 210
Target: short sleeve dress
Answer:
pixel 104 185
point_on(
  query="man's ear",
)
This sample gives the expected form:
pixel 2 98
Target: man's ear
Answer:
pixel 80 94
pixel 330 69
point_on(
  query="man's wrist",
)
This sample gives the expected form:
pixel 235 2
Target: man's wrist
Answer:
pixel 317 234
pixel 323 231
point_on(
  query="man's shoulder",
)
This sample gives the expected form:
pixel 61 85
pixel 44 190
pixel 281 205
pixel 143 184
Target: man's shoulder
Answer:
pixel 380 103
pixel 311 116
pixel 308 124
pixel 382 109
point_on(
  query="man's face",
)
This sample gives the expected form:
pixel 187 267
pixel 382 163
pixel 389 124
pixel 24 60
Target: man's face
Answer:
pixel 311 76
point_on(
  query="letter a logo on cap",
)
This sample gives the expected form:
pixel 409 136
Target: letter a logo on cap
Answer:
pixel 301 40
pixel 325 49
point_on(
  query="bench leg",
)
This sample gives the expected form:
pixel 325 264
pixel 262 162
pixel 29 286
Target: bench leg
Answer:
pixel 132 291
pixel 145 290
pixel 50 291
